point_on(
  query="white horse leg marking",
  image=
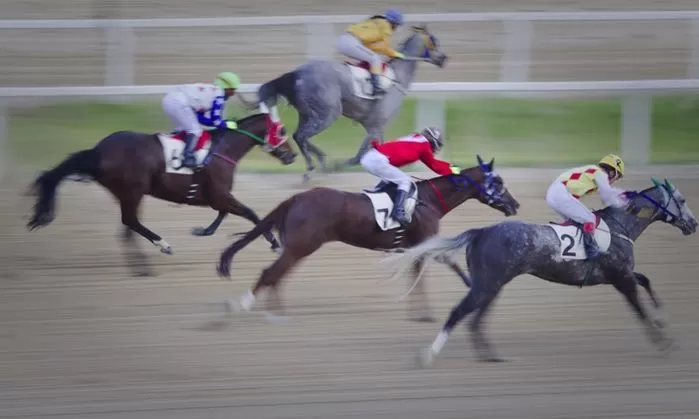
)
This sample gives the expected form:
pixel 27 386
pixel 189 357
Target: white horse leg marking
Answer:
pixel 428 355
pixel 163 246
pixel 247 300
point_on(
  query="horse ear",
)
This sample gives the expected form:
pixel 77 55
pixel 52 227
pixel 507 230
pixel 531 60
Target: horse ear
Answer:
pixel 669 185
pixel 655 182
pixel 492 162
pixel 480 160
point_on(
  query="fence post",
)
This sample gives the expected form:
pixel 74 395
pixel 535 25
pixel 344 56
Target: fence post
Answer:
pixel 320 40
pixel 636 127
pixel 4 133
pixel 119 55
pixel 517 44
pixel 431 112
pixel 693 68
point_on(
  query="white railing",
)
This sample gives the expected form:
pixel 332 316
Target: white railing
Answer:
pixel 636 101
pixel 119 60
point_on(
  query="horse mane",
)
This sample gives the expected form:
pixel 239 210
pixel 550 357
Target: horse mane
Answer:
pixel 636 195
pixel 249 117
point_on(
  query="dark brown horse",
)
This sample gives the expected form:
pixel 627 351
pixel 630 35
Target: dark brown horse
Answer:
pixel 132 164
pixel 312 218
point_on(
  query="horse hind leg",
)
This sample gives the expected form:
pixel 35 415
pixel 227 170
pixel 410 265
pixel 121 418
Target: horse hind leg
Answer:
pixel 467 305
pixel 418 303
pixel 309 127
pixel 484 350
pixel 269 279
pixel 135 258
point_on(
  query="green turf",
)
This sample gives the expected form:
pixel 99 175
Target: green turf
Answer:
pixel 514 131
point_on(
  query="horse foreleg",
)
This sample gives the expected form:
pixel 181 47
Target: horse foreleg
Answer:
pixel 658 315
pixel 211 229
pixel 227 204
pixel 418 303
pixel 626 285
pixel 129 217
pixel 137 260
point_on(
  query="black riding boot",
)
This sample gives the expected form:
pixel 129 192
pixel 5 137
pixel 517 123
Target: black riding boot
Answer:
pixel 376 89
pixel 591 247
pixel 188 159
pixel 399 208
pixel 378 187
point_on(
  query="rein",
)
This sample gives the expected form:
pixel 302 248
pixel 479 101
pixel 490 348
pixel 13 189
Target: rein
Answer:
pixel 244 132
pixel 440 196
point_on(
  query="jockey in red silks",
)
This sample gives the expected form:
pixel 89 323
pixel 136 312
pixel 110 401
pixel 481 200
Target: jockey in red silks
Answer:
pixel 384 160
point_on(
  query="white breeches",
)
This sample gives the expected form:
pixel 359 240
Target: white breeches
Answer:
pixel 182 115
pixel 350 46
pixel 566 205
pixel 378 165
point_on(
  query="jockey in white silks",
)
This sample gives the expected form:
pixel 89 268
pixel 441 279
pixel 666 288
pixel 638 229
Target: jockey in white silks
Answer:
pixel 188 105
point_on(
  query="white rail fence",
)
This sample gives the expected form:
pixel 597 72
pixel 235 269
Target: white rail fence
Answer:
pixel 636 98
pixel 517 41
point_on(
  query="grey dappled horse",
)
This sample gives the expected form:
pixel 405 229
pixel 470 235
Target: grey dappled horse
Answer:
pixel 322 91
pixel 498 253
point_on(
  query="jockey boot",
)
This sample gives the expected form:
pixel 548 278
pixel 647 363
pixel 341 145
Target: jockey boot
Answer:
pixel 376 89
pixel 188 159
pixel 588 236
pixel 399 208
pixel 378 187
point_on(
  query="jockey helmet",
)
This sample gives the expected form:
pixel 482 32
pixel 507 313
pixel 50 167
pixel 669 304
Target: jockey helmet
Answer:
pixel 227 80
pixel 434 136
pixel 613 162
pixel 394 16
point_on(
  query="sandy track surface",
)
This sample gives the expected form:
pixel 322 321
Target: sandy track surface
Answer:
pixel 80 338
pixel 562 50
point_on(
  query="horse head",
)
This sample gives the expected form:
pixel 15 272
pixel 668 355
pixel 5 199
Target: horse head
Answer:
pixel 422 44
pixel 489 185
pixel 255 128
pixel 663 202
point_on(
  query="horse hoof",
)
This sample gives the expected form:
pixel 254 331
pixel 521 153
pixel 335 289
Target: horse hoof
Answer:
pixel 277 249
pixel 306 178
pixel 167 250
pixel 424 319
pixel 667 346
pixel 201 232
pixel 231 307
pixel 425 358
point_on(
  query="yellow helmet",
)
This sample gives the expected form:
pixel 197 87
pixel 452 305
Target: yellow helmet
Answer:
pixel 615 162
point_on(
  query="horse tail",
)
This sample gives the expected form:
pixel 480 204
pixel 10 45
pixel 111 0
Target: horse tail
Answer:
pixel 85 162
pixel 283 85
pixel 432 248
pixel 274 218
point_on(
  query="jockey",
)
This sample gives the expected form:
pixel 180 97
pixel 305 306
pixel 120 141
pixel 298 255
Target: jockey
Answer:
pixel 187 106
pixel 563 196
pixel 366 40
pixel 383 160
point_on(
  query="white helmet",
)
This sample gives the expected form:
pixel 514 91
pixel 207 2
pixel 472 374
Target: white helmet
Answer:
pixel 434 136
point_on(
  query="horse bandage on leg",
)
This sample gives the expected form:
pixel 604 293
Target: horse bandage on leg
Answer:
pixel 589 227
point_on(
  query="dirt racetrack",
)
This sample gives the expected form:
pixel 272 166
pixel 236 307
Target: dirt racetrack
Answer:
pixel 80 338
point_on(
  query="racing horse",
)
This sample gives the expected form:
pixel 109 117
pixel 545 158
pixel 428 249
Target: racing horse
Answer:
pixel 312 218
pixel 131 165
pixel 498 253
pixel 322 90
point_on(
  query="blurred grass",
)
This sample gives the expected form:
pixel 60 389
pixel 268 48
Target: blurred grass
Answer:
pixel 516 132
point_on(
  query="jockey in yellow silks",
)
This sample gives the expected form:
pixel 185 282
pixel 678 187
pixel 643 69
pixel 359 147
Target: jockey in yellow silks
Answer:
pixel 563 196
pixel 367 39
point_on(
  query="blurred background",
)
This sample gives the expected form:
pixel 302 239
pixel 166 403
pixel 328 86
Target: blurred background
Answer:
pixel 489 42
pixel 79 337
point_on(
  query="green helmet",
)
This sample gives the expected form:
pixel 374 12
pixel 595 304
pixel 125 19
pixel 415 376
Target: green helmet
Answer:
pixel 227 80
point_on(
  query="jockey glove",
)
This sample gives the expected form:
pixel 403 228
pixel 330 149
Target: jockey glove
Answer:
pixel 455 170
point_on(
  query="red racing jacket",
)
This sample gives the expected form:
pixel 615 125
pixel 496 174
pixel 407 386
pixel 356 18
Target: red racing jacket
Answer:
pixel 410 149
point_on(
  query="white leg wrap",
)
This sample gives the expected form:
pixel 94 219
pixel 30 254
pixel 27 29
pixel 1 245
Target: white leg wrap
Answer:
pixel 247 300
pixel 439 342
